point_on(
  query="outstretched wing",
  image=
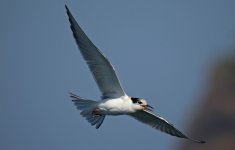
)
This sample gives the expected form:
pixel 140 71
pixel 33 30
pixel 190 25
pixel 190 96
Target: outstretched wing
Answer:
pixel 102 70
pixel 160 124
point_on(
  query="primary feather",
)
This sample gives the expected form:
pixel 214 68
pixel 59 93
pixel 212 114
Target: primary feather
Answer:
pixel 160 123
pixel 101 69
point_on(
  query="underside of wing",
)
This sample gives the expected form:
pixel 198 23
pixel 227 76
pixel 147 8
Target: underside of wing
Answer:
pixel 160 124
pixel 102 70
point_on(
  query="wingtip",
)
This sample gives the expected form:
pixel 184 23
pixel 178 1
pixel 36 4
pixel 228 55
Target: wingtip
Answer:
pixel 66 7
pixel 202 142
pixel 198 141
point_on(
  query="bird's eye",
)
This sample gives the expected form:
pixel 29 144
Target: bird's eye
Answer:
pixel 139 102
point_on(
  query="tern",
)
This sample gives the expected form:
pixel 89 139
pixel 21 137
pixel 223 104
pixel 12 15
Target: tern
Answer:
pixel 114 101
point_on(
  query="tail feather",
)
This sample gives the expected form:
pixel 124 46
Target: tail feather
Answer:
pixel 100 121
pixel 94 120
pixel 87 106
pixel 82 103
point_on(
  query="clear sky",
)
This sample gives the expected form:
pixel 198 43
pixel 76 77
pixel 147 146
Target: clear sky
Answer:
pixel 161 49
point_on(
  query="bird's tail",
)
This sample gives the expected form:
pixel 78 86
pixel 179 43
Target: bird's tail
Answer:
pixel 87 106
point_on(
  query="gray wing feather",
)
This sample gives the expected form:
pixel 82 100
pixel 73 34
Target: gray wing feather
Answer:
pixel 102 70
pixel 160 124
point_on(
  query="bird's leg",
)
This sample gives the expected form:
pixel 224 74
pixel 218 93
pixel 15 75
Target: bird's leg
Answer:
pixel 96 112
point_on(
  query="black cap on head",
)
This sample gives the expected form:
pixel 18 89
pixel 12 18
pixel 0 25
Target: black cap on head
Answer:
pixel 135 100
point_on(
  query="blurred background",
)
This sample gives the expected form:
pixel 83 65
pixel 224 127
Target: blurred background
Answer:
pixel 178 55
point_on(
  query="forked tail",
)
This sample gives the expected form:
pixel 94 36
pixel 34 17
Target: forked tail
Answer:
pixel 87 106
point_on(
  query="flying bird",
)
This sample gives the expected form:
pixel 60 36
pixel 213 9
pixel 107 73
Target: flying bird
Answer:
pixel 114 101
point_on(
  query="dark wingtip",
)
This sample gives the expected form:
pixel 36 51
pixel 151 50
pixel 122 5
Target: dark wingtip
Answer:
pixel 202 142
pixel 66 7
pixel 198 141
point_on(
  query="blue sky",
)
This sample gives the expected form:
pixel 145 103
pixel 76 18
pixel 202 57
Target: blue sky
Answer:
pixel 162 51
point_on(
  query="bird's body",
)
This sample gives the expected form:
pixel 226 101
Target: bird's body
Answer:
pixel 118 106
pixel 114 101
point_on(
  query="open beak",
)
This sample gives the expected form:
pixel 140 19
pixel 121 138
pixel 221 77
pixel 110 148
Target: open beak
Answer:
pixel 149 108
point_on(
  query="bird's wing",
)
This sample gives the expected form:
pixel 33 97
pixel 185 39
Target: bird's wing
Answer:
pixel 102 70
pixel 160 123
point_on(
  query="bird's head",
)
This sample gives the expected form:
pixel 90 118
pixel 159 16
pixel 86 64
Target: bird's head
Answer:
pixel 141 104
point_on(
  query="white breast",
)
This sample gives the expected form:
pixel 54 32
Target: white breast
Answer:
pixel 119 106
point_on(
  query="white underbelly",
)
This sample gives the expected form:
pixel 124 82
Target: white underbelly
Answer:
pixel 115 107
